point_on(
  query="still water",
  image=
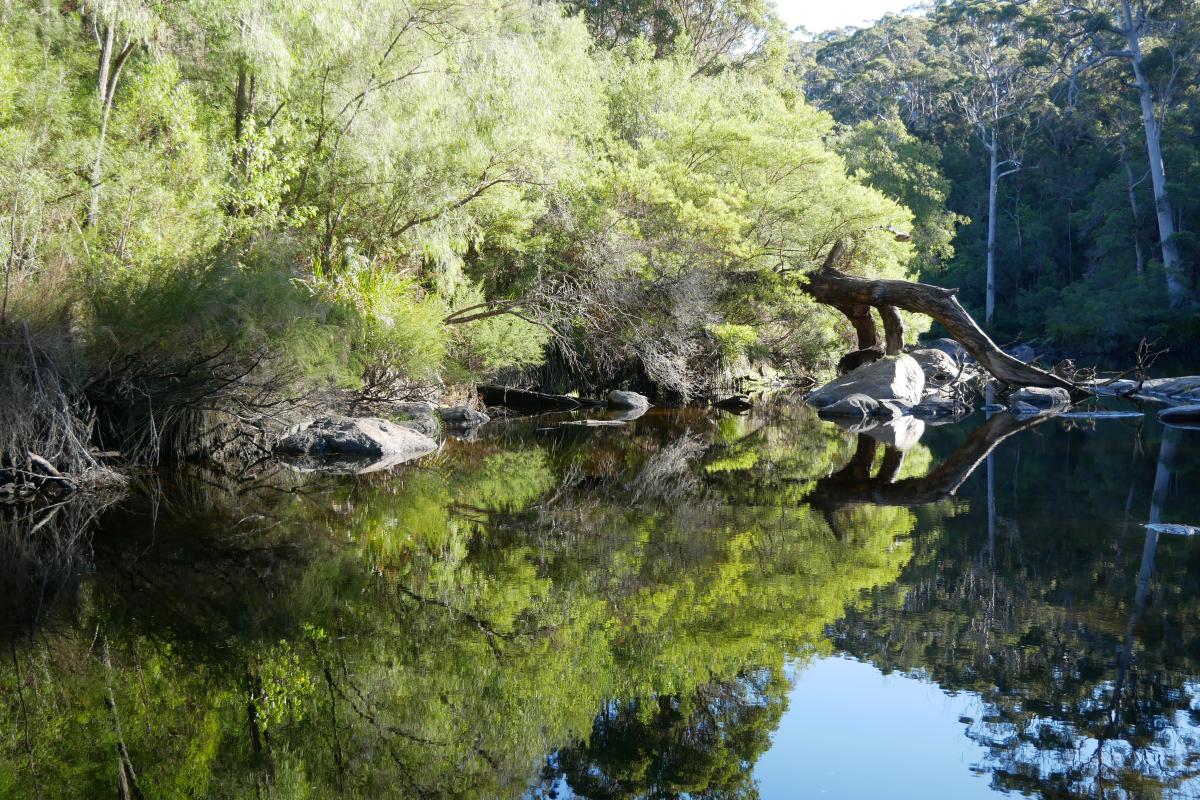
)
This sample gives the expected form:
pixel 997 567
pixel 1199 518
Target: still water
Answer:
pixel 689 604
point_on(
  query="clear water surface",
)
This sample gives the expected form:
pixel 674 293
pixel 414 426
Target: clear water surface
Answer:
pixel 689 604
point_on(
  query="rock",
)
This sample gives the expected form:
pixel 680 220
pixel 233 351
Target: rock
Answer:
pixel 1182 389
pixel 627 400
pixel 855 406
pixel 937 406
pixel 861 406
pixel 362 437
pixel 462 417
pixel 417 416
pixel 414 409
pixel 897 378
pixel 951 348
pixel 1180 415
pixel 1041 398
pixel 737 403
pixel 939 368
pixel 856 358
pixel 1022 352
pixel 1185 389
pixel 1117 387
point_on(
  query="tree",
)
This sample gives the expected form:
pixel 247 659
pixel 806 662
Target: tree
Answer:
pixel 119 29
pixel 1105 30
pixel 993 95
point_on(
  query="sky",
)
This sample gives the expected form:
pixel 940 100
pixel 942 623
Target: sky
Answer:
pixel 822 15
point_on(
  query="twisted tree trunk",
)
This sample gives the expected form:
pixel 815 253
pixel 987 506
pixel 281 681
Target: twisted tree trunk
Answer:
pixel 841 291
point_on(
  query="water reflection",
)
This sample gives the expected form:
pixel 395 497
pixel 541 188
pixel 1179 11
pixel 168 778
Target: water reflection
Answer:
pixel 606 611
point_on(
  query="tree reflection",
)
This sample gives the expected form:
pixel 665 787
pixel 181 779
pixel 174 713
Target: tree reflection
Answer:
pixel 1082 650
pixel 702 745
pixel 435 632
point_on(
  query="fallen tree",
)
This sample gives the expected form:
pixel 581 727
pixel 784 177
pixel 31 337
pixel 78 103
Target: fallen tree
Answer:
pixel 855 297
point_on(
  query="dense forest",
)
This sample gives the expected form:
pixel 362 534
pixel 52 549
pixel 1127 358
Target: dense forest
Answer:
pixel 1049 151
pixel 228 204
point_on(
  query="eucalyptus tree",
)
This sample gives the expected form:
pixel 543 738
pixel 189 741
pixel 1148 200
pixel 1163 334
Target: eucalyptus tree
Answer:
pixel 1158 40
pixel 994 94
pixel 119 28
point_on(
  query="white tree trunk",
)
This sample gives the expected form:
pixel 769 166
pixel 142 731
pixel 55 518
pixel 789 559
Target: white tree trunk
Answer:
pixel 993 181
pixel 1176 288
pixel 102 94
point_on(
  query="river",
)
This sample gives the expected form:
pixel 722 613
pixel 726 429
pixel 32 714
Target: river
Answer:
pixel 688 604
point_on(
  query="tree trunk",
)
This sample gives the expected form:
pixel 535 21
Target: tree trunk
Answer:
pixel 893 329
pixel 102 94
pixel 864 326
pixel 840 290
pixel 108 73
pixel 993 182
pixel 1176 288
pixel 243 103
pixel 1130 187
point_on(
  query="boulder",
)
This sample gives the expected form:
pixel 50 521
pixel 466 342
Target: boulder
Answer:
pixel 628 400
pixel 1118 387
pixel 937 406
pixel 856 358
pixel 1185 389
pixel 897 378
pixel 1022 352
pixel 462 417
pixel 1038 397
pixel 939 368
pixel 1023 409
pixel 859 406
pixel 417 416
pixel 855 406
pixel 369 437
pixel 1180 416
pixel 951 348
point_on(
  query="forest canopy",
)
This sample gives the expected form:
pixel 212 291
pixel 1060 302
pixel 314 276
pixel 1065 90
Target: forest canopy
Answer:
pixel 393 195
pixel 392 198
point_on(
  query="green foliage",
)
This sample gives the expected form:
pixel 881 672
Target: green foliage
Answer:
pixel 404 162
pixel 908 169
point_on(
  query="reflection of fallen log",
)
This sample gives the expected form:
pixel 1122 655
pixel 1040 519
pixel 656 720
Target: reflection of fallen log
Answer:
pixel 527 401
pixel 854 483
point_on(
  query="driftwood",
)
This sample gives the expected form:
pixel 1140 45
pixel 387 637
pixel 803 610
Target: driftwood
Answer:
pixel 855 297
